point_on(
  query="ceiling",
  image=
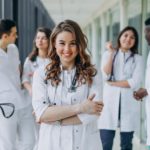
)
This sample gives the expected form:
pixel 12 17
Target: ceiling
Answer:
pixel 77 10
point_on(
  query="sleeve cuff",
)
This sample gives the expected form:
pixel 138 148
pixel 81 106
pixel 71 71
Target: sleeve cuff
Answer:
pixel 131 83
pixel 39 112
pixel 148 91
pixel 86 119
pixel 106 77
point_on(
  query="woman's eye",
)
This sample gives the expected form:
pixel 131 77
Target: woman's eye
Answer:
pixel 73 44
pixel 132 37
pixel 126 35
pixel 61 43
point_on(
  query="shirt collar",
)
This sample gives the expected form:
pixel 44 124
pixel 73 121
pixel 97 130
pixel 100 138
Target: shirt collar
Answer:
pixel 2 52
pixel 128 53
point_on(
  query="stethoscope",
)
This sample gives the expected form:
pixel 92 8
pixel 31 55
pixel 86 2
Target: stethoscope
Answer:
pixel 112 77
pixel 11 109
pixel 73 85
pixel 71 89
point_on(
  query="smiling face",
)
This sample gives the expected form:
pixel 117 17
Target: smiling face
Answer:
pixel 127 40
pixel 66 49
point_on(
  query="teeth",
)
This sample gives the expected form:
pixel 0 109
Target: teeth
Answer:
pixel 66 54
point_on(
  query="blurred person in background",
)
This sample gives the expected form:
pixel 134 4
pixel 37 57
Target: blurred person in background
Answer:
pixel 38 57
pixel 20 123
pixel 122 69
pixel 145 92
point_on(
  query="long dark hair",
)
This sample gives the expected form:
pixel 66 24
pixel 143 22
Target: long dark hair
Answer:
pixel 85 70
pixel 34 53
pixel 133 49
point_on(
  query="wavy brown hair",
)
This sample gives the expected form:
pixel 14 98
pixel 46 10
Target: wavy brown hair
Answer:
pixel 85 71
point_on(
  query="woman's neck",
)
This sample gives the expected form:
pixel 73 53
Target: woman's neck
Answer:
pixel 124 50
pixel 68 67
pixel 42 53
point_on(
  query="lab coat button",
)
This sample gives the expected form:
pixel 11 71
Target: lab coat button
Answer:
pixel 44 102
pixel 77 147
pixel 76 130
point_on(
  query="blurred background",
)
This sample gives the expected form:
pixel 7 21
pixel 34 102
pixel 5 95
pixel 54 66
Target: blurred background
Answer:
pixel 101 21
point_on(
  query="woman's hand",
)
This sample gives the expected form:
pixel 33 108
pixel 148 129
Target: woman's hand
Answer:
pixel 28 86
pixel 109 46
pixel 91 107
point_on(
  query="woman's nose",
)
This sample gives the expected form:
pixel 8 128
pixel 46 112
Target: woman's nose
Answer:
pixel 66 47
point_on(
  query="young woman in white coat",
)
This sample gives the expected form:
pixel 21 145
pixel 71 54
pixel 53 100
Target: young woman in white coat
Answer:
pixel 122 70
pixel 36 58
pixel 66 94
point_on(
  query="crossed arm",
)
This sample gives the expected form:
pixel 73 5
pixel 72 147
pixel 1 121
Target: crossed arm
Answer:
pixel 68 115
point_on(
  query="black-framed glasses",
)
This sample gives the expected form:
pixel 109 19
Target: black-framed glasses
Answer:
pixel 7 109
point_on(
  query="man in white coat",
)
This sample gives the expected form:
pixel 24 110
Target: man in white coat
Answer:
pixel 146 92
pixel 10 92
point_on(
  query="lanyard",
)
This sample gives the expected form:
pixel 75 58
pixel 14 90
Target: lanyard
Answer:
pixel 73 86
pixel 112 78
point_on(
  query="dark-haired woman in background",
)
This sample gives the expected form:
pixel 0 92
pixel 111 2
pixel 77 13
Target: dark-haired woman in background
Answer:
pixel 36 58
pixel 123 72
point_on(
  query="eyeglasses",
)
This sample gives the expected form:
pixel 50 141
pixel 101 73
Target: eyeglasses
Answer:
pixel 7 109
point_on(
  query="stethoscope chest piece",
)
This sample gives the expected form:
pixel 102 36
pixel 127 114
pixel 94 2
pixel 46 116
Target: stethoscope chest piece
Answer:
pixel 72 89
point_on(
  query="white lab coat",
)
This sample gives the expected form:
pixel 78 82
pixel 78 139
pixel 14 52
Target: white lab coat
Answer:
pixel 147 85
pixel 10 86
pixel 71 137
pixel 132 71
pixel 10 92
pixel 28 70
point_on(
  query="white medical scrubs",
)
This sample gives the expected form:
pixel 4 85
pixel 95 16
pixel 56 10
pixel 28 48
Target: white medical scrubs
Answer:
pixel 10 92
pixel 130 70
pixel 147 85
pixel 72 137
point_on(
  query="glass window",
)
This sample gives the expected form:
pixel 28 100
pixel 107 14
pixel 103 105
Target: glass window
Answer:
pixel 135 18
pixel 148 8
pixel 134 8
pixel 98 40
pixel 115 28
pixel 88 32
